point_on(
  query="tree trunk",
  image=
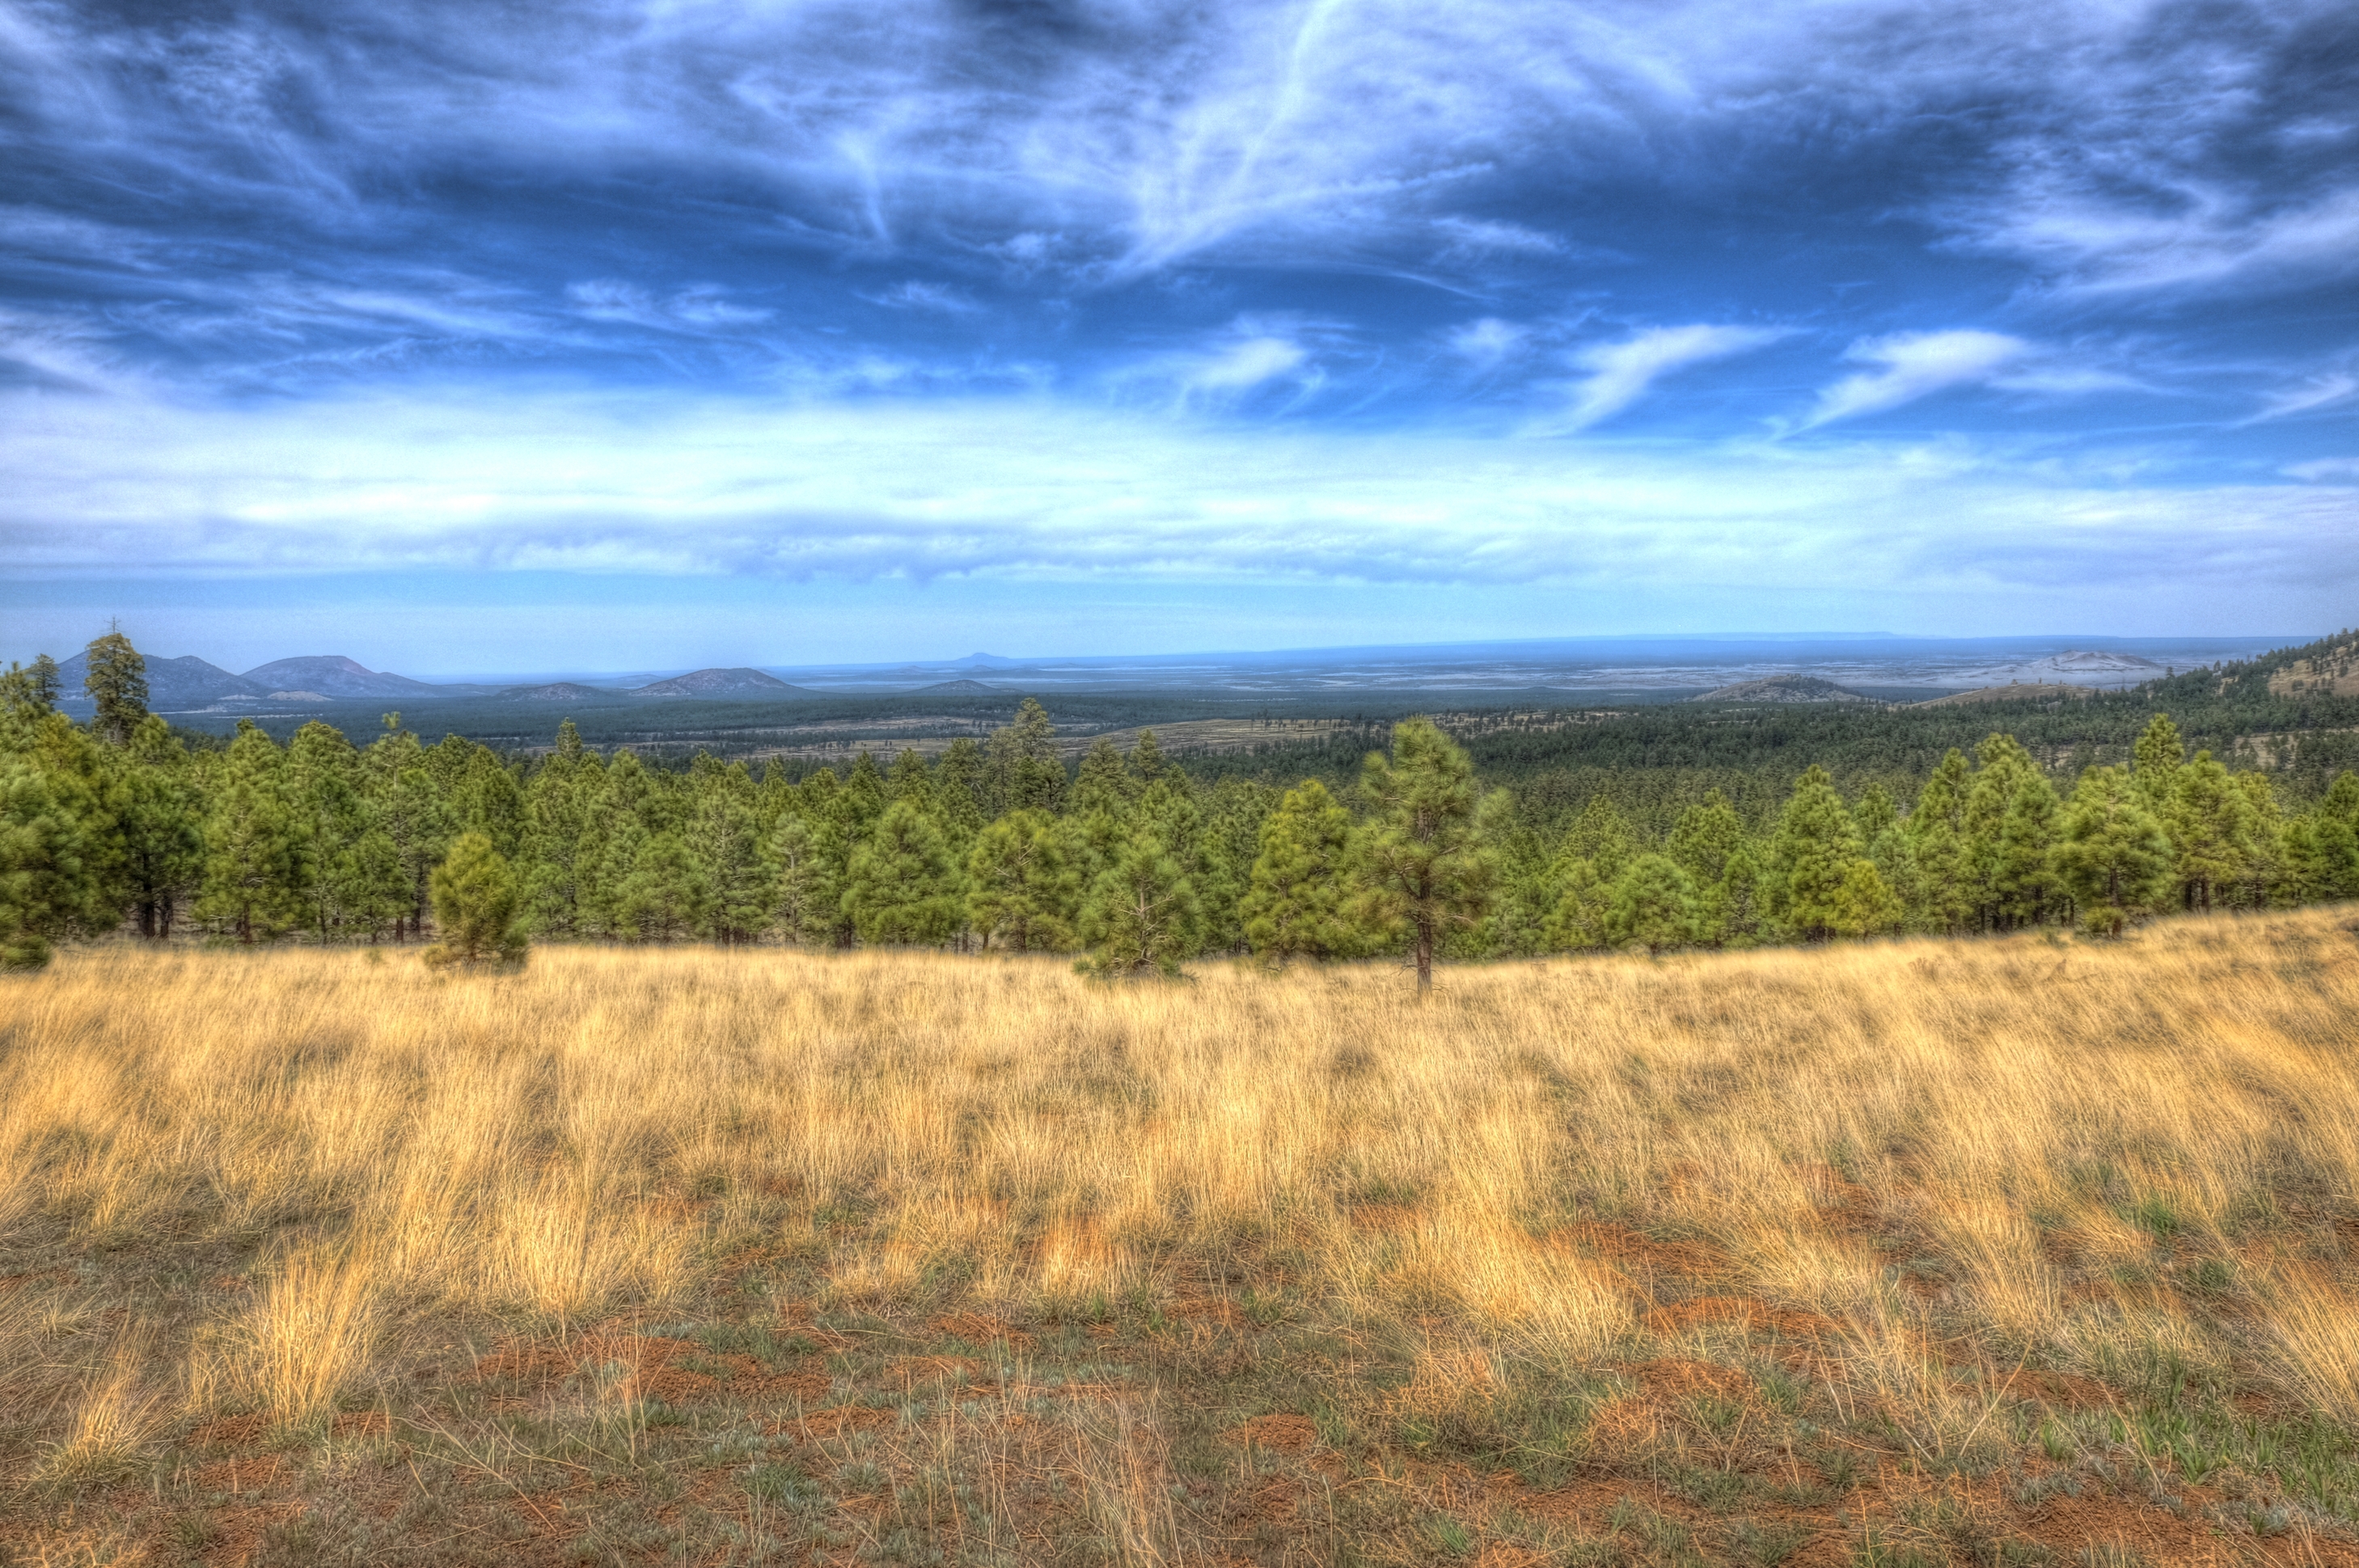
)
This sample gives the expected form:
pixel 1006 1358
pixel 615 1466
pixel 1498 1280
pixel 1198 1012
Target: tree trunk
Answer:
pixel 1424 956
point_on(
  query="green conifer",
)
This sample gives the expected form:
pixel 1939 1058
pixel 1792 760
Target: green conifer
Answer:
pixel 1294 903
pixel 1421 861
pixel 476 905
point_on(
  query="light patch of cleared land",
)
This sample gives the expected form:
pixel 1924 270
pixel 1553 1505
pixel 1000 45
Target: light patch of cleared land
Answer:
pixel 2335 673
pixel 2012 1251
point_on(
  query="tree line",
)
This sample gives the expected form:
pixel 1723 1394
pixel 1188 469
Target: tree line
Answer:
pixel 999 844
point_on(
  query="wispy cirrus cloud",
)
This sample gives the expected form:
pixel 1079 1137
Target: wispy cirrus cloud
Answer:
pixel 1909 366
pixel 1622 373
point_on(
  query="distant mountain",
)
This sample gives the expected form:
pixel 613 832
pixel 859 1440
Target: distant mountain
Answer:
pixel 555 692
pixel 945 688
pixel 1783 689
pixel 710 683
pixel 174 685
pixel 2013 692
pixel 988 661
pixel 332 677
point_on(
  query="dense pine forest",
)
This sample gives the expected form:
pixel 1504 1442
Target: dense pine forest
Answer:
pixel 1638 828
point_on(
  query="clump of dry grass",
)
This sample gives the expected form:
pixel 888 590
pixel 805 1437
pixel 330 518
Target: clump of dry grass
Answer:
pixel 2049 1150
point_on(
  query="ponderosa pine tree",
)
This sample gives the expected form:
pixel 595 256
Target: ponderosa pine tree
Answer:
pixel 478 906
pixel 2112 852
pixel 1810 856
pixel 1021 768
pixel 902 889
pixel 1938 848
pixel 665 896
pixel 1734 908
pixel 958 791
pixel 1601 836
pixel 1294 905
pixel 155 802
pixel 1653 906
pixel 322 785
pixel 46 888
pixel 1142 914
pixel 2023 879
pixel 2156 760
pixel 2005 765
pixel 1102 783
pixel 805 892
pixel 1021 886
pixel 1576 920
pixel 1421 863
pixel 257 855
pixel 723 839
pixel 1863 905
pixel 2261 882
pixel 412 815
pixel 1705 836
pixel 117 684
pixel 2206 821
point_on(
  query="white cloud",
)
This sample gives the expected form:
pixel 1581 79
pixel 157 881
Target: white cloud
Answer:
pixel 2326 470
pixel 1031 488
pixel 701 308
pixel 2319 392
pixel 1488 342
pixel 1482 236
pixel 1622 371
pixel 914 295
pixel 1912 366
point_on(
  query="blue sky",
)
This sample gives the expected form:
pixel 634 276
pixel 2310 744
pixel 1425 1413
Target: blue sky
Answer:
pixel 464 338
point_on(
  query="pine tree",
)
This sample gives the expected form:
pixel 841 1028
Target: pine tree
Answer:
pixel 1021 887
pixel 1103 783
pixel 2112 852
pixel 1421 861
pixel 1601 836
pixel 117 684
pixel 1735 909
pixel 1706 835
pixel 1294 903
pixel 1577 919
pixel 1863 905
pixel 1812 855
pixel 2023 877
pixel 1144 765
pixel 2005 765
pixel 476 905
pixel 806 891
pixel 1653 906
pixel 153 799
pixel 958 790
pixel 44 886
pixel 257 855
pixel 859 803
pixel 413 817
pixel 902 889
pixel 911 780
pixel 1874 812
pixel 2321 858
pixel 739 882
pixel 323 777
pixel 1937 843
pixel 1022 769
pixel 1142 914
pixel 2156 758
pixel 2262 881
pixel 665 896
pixel 2206 819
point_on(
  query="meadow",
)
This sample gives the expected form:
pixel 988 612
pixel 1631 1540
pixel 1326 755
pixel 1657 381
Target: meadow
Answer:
pixel 1999 1251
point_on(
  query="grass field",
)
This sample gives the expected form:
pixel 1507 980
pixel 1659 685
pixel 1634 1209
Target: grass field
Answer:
pixel 1995 1253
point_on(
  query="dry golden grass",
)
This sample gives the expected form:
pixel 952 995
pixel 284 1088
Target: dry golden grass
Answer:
pixel 1954 1205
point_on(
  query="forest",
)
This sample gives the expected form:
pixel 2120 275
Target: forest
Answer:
pixel 1617 831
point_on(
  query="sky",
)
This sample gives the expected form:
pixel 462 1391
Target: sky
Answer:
pixel 467 338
